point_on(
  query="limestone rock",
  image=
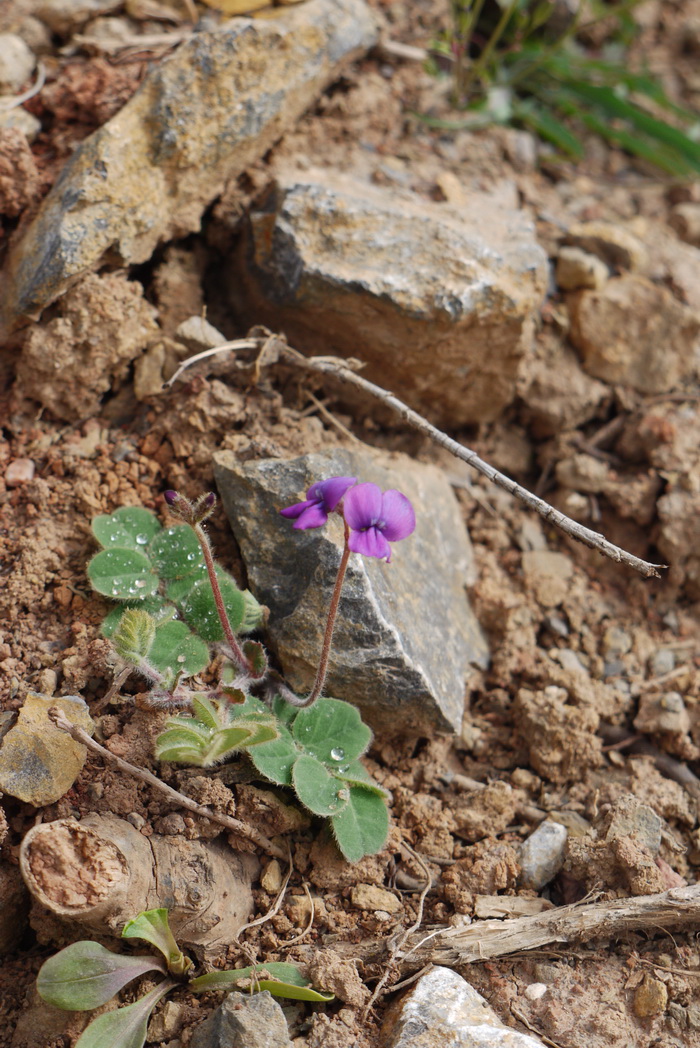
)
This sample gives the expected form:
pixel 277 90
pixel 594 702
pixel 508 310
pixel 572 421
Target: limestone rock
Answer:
pixel 437 300
pixel 443 1009
pixel 65 18
pixel 685 219
pixel 556 391
pixel 548 575
pixel 38 761
pixel 577 269
pixel 21 120
pixel 618 247
pixel 542 854
pixel 16 63
pixel 634 333
pixel 244 1020
pixel 199 119
pixel 67 364
pixel 406 637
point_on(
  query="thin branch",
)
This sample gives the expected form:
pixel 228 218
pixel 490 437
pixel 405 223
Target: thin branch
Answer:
pixel 340 369
pixel 18 100
pixel 234 825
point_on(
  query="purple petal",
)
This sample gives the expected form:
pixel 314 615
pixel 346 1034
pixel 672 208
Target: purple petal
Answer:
pixel 331 491
pixel 398 516
pixel 292 512
pixel 313 517
pixel 363 508
pixel 370 543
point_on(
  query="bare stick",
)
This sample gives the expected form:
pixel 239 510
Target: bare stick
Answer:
pixel 340 369
pixel 484 940
pixel 234 825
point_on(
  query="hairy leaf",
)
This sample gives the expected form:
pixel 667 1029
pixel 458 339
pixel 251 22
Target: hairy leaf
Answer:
pixel 122 574
pixel 199 608
pixel 158 608
pixel 318 790
pixel 175 552
pixel 176 649
pixel 274 759
pixel 129 527
pixel 134 635
pixel 361 828
pixel 332 731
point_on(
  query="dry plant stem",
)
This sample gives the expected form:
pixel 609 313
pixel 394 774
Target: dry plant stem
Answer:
pixel 592 539
pixel 339 369
pixel 330 624
pixel 484 940
pixel 233 644
pixel 114 688
pixel 234 825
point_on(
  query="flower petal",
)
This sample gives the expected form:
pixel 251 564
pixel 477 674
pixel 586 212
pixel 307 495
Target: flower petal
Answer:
pixel 292 512
pixel 398 516
pixel 331 491
pixel 363 507
pixel 371 543
pixel 313 517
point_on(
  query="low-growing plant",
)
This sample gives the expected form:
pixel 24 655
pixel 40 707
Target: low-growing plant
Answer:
pixel 180 613
pixel 518 67
pixel 86 975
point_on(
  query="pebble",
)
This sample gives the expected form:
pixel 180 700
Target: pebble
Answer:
pixel 16 63
pixel 685 219
pixel 616 641
pixel 443 1009
pixel 662 713
pixel 244 1020
pixel 542 854
pixel 650 998
pixel 271 880
pixel 535 990
pixel 20 471
pixel 370 897
pixel 548 575
pixel 663 661
pixel 21 119
pixel 577 269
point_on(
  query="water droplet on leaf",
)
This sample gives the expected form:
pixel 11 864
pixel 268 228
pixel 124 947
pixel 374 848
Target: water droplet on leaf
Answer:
pixel 337 753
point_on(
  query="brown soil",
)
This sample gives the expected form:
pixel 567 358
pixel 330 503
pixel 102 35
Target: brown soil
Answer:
pixel 538 734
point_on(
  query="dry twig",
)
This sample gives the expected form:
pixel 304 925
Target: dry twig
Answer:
pixel 234 825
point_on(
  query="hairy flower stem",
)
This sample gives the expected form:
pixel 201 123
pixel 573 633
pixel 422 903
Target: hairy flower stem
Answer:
pixel 330 624
pixel 233 644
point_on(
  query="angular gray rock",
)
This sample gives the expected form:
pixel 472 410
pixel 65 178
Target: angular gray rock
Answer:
pixel 406 638
pixel 244 1021
pixel 437 300
pixel 199 119
pixel 444 1011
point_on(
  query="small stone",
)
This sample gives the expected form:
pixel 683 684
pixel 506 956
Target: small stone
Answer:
pixel 38 761
pixel 662 713
pixel 271 879
pixel 23 121
pixel 542 854
pixel 650 998
pixel 582 473
pixel 535 991
pixel 64 19
pixel 20 471
pixel 579 269
pixel 370 897
pixel 616 641
pixel 167 1022
pixel 413 662
pixel 616 246
pixel 548 575
pixel 685 219
pixel 662 662
pixel 629 819
pixel 16 63
pixel 244 1020
pixel 443 1009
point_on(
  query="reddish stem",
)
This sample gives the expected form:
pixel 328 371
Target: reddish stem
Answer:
pixel 235 647
pixel 330 623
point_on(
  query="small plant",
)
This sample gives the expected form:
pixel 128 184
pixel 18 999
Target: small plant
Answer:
pixel 163 576
pixel 85 976
pixel 518 67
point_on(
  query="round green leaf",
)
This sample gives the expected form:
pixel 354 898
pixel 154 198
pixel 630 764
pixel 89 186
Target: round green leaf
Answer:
pixel 122 574
pixel 361 828
pixel 175 648
pixel 274 759
pixel 130 527
pixel 357 775
pixel 317 789
pixel 175 552
pixel 199 608
pixel 177 589
pixel 333 731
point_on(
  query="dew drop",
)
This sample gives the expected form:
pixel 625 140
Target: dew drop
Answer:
pixel 182 658
pixel 191 556
pixel 142 539
pixel 338 753
pixel 112 538
pixel 139 583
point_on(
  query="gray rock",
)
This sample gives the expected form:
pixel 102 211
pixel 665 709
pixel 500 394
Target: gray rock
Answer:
pixel 444 1011
pixel 200 118
pixel 406 637
pixel 437 300
pixel 16 63
pixel 542 854
pixel 244 1021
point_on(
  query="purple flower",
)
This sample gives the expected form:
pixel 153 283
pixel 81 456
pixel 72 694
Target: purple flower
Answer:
pixel 377 519
pixel 321 499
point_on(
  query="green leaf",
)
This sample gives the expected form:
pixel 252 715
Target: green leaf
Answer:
pixel 318 790
pixel 257 658
pixel 543 123
pixel 284 711
pixel 253 614
pixel 122 574
pixel 287 981
pixel 176 649
pixel 159 609
pixel 129 527
pixel 153 927
pixel 85 975
pixel 134 635
pixel 177 589
pixel 175 552
pixel 361 828
pixel 125 1028
pixel 274 759
pixel 199 608
pixel 358 775
pixel 205 711
pixel 332 731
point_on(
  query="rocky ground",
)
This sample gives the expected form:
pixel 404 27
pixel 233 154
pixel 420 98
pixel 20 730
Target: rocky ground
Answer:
pixel 544 314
